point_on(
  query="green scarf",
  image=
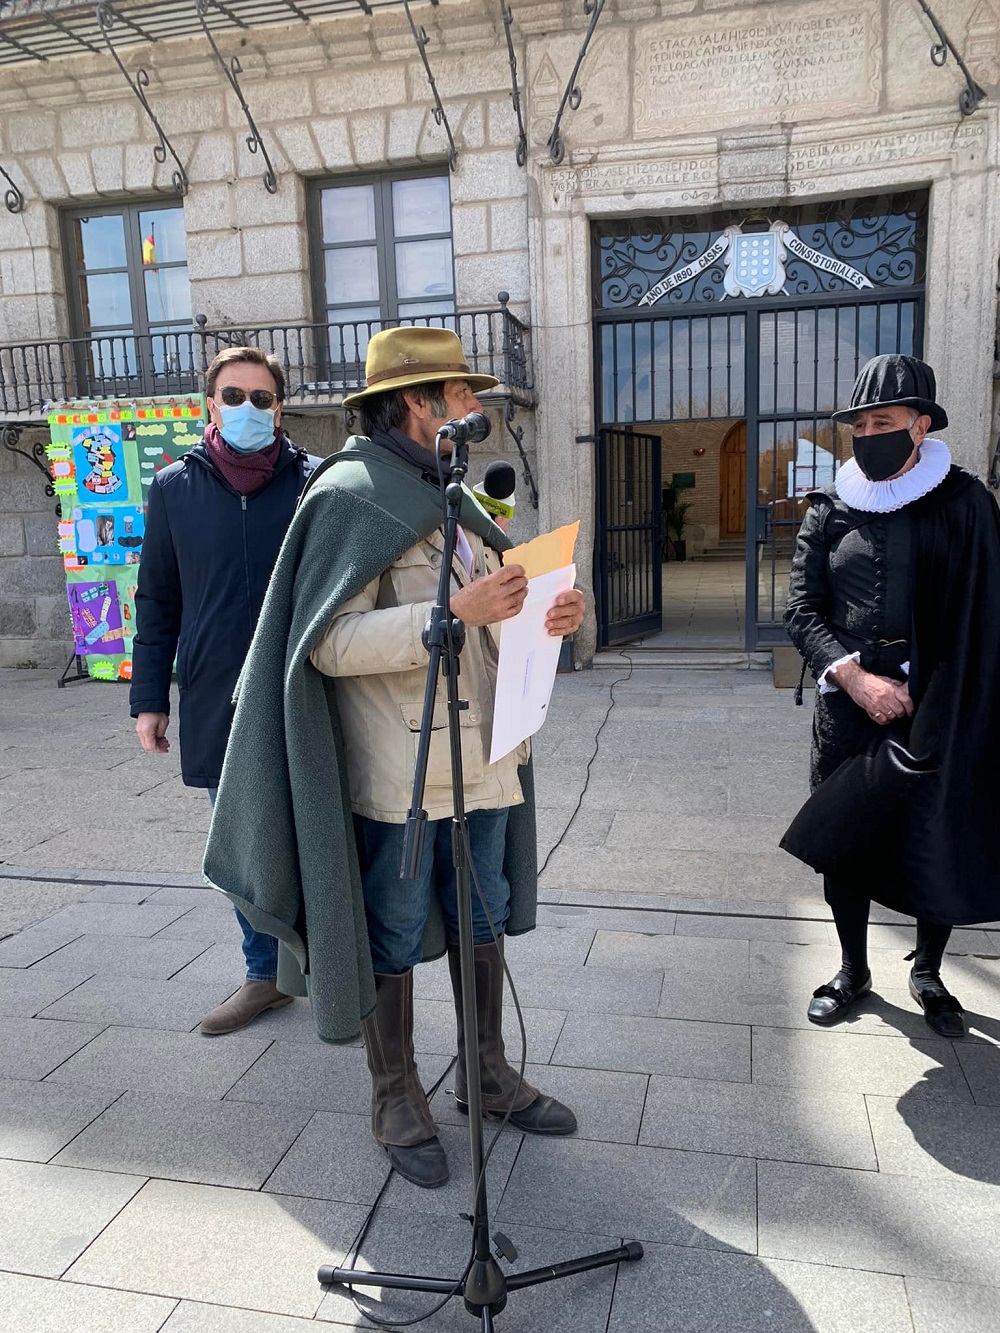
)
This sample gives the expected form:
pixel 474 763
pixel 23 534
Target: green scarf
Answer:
pixel 282 846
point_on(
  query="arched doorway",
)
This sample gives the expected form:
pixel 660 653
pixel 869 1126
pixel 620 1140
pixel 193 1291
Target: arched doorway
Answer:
pixel 733 483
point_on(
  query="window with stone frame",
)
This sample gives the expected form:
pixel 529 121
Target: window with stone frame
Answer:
pixel 129 297
pixel 382 256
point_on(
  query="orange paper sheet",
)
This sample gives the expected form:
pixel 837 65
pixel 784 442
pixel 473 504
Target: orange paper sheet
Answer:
pixel 550 551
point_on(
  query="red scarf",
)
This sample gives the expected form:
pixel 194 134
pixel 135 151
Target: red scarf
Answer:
pixel 246 473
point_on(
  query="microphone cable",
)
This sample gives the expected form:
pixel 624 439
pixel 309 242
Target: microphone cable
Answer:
pixel 590 762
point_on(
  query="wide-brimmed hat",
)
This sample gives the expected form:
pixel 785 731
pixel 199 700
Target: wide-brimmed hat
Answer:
pixel 896 381
pixel 400 358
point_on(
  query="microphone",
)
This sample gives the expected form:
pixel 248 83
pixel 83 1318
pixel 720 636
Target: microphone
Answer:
pixel 466 430
pixel 496 490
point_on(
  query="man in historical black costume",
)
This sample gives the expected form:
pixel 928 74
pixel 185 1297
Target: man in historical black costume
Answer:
pixel 307 835
pixel 895 605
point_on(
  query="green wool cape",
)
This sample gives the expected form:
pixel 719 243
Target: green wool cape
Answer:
pixel 282 844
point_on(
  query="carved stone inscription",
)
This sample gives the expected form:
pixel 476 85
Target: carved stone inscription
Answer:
pixel 747 69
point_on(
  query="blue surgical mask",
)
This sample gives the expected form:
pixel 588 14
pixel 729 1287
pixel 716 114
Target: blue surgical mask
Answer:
pixel 246 428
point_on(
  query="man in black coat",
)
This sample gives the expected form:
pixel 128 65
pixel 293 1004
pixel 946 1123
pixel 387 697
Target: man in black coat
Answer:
pixel 893 603
pixel 214 526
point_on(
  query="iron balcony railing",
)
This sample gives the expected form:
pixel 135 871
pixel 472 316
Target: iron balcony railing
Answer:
pixel 322 362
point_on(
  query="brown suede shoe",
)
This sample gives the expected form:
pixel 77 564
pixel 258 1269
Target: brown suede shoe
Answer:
pixel 249 1002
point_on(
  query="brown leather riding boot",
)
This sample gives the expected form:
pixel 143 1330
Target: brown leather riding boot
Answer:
pixel 401 1119
pixel 533 1111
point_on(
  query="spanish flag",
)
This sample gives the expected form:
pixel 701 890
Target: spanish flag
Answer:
pixel 149 249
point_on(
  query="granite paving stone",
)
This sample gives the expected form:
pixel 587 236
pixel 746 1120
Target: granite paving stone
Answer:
pixel 951 1307
pixel 791 1125
pixel 581 990
pixel 25 992
pixel 923 1136
pixel 115 919
pixel 42 1305
pixel 714 1291
pixel 676 955
pixel 219 962
pixel 132 894
pixel 656 1046
pixel 853 1063
pixel 953 1233
pixel 137 1002
pixel 117 957
pixel 784 930
pixel 30 1048
pixel 194 1317
pixel 434 1030
pixel 568 945
pixel 213 923
pixel 180 1138
pixel 331 1078
pixel 37 1119
pixel 50 1214
pixel 221 1246
pixel 178 896
pixel 981 1066
pixel 679 1198
pixel 651 922
pixel 608 1106
pixel 594 868
pixel 36 942
pixel 26 901
pixel 161 1062
pixel 335 1157
pixel 578 1304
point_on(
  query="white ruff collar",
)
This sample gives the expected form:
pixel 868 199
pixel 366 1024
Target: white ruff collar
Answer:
pixel 884 497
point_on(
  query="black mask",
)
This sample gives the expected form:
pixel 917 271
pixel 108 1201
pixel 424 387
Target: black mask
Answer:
pixel 882 456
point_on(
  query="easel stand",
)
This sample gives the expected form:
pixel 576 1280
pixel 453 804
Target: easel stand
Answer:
pixel 486 1286
pixel 81 673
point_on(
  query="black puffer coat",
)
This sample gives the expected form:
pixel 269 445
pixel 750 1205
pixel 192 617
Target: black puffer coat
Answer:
pixel 206 563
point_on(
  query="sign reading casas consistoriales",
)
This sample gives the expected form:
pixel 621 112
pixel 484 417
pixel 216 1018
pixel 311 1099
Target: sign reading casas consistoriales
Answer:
pixel 755 263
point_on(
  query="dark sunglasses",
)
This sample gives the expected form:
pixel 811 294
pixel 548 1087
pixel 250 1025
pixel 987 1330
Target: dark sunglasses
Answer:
pixel 260 398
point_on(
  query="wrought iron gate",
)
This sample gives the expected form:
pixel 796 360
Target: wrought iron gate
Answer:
pixel 628 554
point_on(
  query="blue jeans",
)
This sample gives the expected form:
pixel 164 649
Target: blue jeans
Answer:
pixel 260 951
pixel 397 908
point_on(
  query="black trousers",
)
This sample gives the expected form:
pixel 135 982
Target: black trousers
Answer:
pixel 850 915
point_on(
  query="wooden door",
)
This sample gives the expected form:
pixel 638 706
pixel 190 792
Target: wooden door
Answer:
pixel 733 483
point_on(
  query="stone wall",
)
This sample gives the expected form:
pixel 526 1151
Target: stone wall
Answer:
pixel 34 617
pixel 687 105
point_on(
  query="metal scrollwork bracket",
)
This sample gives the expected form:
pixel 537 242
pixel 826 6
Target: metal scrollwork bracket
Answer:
pixel 10 435
pixel 12 197
pixel 572 97
pixel 232 70
pixel 971 95
pixel 521 144
pixel 106 19
pixel 422 40
pixel 516 433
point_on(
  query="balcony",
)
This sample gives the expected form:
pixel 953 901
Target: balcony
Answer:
pixel 322 362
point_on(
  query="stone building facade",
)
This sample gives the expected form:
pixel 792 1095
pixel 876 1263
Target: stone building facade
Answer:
pixel 751 113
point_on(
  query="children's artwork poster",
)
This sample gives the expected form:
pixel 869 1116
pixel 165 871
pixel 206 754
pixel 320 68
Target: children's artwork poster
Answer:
pixel 103 456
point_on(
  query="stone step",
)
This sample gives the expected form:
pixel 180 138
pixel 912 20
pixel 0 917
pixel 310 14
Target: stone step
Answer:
pixel 688 659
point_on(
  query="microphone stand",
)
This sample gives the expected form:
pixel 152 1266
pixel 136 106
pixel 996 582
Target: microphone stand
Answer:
pixel 485 1286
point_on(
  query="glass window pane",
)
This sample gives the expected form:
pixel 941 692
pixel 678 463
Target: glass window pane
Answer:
pixel 105 300
pixel 100 242
pixel 352 274
pixel 423 268
pixel 431 313
pixel 163 228
pixel 421 207
pixel 350 330
pixel 168 295
pixel 348 213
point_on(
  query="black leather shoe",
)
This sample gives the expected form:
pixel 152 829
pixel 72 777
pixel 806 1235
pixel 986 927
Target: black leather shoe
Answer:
pixel 544 1116
pixel 941 1010
pixel 422 1164
pixel 834 999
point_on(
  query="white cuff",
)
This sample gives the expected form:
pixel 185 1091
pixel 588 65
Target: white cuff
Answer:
pixel 827 686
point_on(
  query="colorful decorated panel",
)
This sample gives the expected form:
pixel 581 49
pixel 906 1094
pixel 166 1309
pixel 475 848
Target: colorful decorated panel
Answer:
pixel 103 457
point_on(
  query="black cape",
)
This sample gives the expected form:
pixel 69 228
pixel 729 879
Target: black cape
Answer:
pixel 927 845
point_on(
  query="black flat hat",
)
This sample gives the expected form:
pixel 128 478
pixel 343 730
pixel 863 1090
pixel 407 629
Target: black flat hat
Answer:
pixel 896 381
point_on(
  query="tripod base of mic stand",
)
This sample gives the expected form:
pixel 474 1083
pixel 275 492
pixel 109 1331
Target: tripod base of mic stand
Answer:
pixel 486 1287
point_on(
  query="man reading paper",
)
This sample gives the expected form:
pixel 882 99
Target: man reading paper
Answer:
pixel 324 747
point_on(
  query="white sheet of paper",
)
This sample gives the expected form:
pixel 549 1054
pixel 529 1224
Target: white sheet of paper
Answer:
pixel 529 656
